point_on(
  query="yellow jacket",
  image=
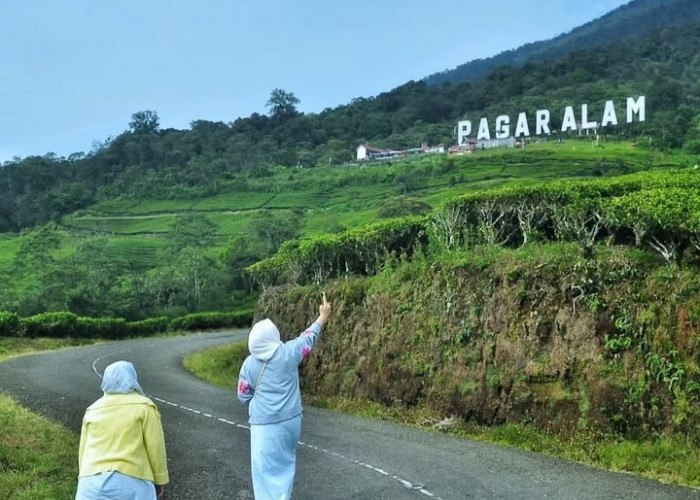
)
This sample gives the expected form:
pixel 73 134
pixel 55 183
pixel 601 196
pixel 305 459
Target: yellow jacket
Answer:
pixel 123 432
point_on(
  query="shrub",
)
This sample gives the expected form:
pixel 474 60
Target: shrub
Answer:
pixel 53 324
pixel 103 328
pixel 9 325
pixel 210 320
pixel 150 326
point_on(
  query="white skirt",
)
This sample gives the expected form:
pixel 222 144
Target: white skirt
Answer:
pixel 273 450
pixel 114 485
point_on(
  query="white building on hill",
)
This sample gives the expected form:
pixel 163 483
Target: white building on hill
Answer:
pixel 367 152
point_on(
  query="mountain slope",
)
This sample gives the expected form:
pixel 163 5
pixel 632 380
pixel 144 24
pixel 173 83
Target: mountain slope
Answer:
pixel 631 20
pixel 215 158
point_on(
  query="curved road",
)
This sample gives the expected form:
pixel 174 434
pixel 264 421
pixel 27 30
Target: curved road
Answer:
pixel 339 457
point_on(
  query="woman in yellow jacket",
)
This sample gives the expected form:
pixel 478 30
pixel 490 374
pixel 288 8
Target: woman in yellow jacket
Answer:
pixel 122 448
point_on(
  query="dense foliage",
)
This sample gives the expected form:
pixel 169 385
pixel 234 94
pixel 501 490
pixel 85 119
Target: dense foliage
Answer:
pixel 157 222
pixel 539 335
pixel 211 158
pixel 654 210
pixel 69 325
pixel 629 21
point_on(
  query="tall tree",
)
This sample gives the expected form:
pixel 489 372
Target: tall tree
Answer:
pixel 282 103
pixel 144 122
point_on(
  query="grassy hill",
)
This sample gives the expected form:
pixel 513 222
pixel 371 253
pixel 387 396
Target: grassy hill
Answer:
pixel 113 257
pixel 353 195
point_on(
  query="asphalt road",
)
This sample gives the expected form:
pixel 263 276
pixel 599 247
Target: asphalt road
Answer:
pixel 339 457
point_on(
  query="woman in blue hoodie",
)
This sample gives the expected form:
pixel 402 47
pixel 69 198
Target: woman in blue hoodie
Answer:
pixel 268 384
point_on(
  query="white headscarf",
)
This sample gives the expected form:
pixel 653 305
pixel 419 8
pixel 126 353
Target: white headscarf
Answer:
pixel 120 378
pixel 264 339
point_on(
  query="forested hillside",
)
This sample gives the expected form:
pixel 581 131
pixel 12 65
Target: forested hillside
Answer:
pixel 632 20
pixel 212 158
pixel 164 222
pixel 169 256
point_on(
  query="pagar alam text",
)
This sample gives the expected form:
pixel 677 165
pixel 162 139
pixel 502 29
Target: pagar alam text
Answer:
pixel 635 110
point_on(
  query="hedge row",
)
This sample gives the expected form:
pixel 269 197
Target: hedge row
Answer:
pixel 659 210
pixel 67 324
pixel 211 320
pixel 357 251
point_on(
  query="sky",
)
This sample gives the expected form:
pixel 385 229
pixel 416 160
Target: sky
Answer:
pixel 74 71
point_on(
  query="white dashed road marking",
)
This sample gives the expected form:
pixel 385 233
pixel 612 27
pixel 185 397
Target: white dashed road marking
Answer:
pixel 407 484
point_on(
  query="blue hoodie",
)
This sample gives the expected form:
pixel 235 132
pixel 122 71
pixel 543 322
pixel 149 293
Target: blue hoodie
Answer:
pixel 278 397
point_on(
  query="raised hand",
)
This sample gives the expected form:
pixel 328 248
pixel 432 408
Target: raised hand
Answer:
pixel 324 310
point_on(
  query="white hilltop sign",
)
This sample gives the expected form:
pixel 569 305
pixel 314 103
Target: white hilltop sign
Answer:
pixel 635 110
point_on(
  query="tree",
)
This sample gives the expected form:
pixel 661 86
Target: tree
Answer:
pixel 94 275
pixel 265 234
pixel 272 229
pixel 189 283
pixel 144 122
pixel 240 253
pixel 40 284
pixel 282 103
pixel 191 230
pixel 36 250
pixel 401 206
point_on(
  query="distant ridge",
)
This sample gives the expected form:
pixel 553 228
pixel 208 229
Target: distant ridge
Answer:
pixel 631 20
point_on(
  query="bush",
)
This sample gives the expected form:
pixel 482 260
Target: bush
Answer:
pixel 103 328
pixel 67 324
pixel 53 324
pixel 9 325
pixel 210 320
pixel 359 251
pixel 150 326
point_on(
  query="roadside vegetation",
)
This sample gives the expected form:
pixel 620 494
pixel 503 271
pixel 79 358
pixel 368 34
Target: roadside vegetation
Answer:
pixel 138 258
pixel 636 238
pixel 219 365
pixel 559 317
pixel 38 457
pixel 665 459
pixel 14 346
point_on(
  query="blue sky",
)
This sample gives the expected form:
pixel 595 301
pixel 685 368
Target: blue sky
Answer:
pixel 75 71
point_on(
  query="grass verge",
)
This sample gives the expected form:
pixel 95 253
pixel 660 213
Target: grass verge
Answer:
pixel 16 346
pixel 219 365
pixel 38 457
pixel 667 460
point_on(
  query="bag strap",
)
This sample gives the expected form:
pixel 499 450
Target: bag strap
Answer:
pixel 257 383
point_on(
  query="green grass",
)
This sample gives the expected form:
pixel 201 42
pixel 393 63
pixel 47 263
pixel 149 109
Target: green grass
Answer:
pixel 219 365
pixel 9 243
pixel 671 461
pixel 332 198
pixel 38 457
pixel 225 202
pixel 667 460
pixel 233 202
pixel 142 251
pixel 18 346
pixel 125 225
pixel 230 224
pixel 319 222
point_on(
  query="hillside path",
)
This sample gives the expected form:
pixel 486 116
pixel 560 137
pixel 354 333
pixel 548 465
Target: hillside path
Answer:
pixel 339 457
